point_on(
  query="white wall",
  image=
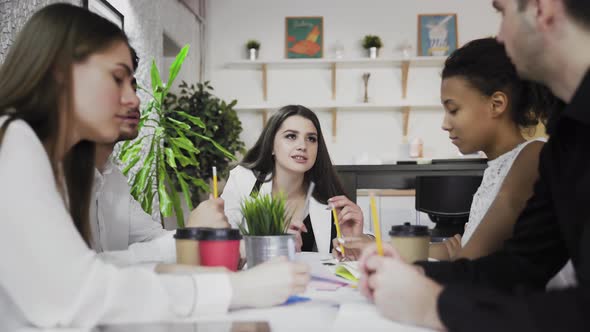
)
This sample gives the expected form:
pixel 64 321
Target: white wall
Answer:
pixel 14 14
pixel 146 21
pixel 375 134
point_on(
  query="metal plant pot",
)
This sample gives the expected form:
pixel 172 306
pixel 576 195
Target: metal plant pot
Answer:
pixel 260 249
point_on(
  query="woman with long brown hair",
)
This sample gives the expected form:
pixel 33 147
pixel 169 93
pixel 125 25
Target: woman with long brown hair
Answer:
pixel 290 154
pixel 65 84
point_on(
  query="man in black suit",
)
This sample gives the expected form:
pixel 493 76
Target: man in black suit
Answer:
pixel 549 42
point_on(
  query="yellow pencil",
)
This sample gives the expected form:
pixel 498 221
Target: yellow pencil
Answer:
pixel 376 226
pixel 338 234
pixel 214 182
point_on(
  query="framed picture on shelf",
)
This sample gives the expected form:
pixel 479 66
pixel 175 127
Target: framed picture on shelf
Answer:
pixel 437 34
pixel 304 37
pixel 106 10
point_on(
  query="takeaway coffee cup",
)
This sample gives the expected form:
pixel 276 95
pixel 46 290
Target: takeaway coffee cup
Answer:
pixel 220 247
pixel 411 241
pixel 187 245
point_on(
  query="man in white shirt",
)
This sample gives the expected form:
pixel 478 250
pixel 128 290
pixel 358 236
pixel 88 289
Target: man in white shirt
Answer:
pixel 124 234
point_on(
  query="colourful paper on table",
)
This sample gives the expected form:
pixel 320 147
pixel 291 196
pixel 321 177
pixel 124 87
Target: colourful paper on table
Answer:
pixel 348 271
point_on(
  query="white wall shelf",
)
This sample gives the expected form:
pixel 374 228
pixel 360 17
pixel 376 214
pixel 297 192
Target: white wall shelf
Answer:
pixel 333 64
pixel 327 63
pixel 342 106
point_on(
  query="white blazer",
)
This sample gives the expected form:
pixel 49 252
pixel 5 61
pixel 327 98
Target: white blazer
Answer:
pixel 239 185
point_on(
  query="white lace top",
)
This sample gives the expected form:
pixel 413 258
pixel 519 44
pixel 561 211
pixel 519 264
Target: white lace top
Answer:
pixel 493 177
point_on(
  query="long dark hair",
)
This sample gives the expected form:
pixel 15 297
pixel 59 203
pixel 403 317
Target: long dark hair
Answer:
pixel 260 159
pixel 484 64
pixel 37 72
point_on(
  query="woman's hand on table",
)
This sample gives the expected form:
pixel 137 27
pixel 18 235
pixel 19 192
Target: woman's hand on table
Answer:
pixel 453 245
pixel 350 215
pixel 268 284
pixel 209 214
pixel 388 277
pixel 353 246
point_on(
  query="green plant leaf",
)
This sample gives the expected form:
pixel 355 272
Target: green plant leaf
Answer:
pixel 140 182
pixel 217 145
pixel 182 125
pixel 170 157
pixel 184 143
pixel 124 148
pixel 200 183
pixel 184 161
pixel 130 165
pixel 131 152
pixel 185 191
pixel 176 65
pixel 195 120
pixel 264 215
pixel 149 196
pixel 174 199
pixel 163 197
pixel 156 80
pixel 146 199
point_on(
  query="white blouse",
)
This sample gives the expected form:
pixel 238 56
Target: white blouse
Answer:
pixel 48 275
pixel 239 185
pixel 122 233
pixel 493 177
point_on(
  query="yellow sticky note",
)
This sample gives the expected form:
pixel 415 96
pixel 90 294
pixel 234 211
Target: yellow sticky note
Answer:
pixel 343 272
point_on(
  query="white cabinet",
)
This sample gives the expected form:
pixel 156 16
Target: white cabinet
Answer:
pixel 394 207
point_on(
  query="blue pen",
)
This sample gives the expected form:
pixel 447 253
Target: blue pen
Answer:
pixel 296 299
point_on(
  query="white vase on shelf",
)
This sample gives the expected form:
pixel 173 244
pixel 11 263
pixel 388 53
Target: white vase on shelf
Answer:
pixel 373 52
pixel 253 54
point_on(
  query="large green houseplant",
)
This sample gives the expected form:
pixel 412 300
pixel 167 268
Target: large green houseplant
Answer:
pixel 168 139
pixel 265 225
pixel 221 124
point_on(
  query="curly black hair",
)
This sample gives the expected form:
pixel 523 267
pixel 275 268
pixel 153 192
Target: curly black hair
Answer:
pixel 484 64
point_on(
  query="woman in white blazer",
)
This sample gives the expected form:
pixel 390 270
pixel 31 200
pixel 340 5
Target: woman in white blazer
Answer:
pixel 289 154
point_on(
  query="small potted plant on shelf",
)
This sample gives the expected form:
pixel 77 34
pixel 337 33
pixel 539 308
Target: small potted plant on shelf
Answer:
pixel 264 228
pixel 373 44
pixel 253 46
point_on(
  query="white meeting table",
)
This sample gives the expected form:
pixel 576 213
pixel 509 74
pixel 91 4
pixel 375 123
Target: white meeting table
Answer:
pixel 344 309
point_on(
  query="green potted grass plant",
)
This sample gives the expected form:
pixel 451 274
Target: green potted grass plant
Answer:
pixel 264 228
pixel 253 46
pixel 373 44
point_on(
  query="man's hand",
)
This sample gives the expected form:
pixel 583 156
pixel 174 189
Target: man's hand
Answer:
pixel 209 214
pixel 400 291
